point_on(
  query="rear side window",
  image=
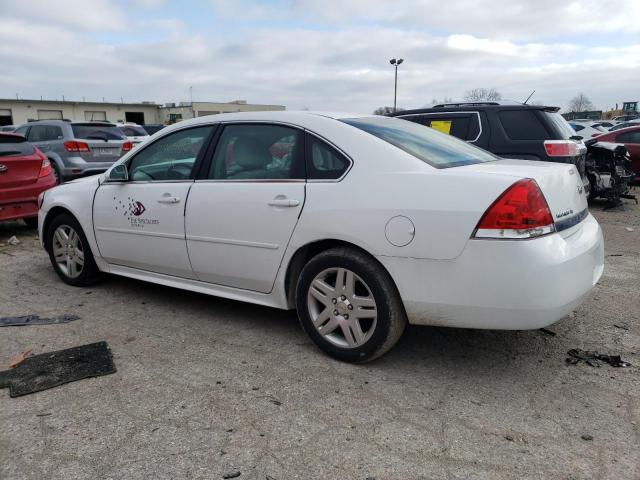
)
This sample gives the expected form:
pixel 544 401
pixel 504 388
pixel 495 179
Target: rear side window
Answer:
pixel 559 125
pixel 629 137
pixel 428 145
pixel 11 146
pixel 258 152
pixel 323 161
pixel 44 133
pixel 522 125
pixel 88 131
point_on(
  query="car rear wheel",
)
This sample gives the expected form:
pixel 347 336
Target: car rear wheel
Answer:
pixel 349 306
pixel 70 253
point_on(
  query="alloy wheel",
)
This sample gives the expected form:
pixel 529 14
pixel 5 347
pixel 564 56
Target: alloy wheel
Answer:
pixel 342 307
pixel 68 251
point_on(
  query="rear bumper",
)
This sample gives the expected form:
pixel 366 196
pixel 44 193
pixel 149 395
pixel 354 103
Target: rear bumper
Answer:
pixel 503 284
pixel 22 202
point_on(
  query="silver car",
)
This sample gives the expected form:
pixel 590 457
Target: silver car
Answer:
pixel 77 149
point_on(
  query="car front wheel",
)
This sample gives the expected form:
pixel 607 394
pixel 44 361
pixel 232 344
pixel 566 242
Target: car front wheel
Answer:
pixel 349 306
pixel 69 252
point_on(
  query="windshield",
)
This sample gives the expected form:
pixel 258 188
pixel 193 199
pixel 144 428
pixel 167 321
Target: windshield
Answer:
pixel 560 125
pixel 432 147
pixel 133 131
pixel 92 131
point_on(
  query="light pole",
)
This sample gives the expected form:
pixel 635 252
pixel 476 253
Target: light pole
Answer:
pixel 395 63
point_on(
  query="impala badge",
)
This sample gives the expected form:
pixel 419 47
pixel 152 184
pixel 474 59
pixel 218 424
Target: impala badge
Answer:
pixel 3 168
pixel 580 189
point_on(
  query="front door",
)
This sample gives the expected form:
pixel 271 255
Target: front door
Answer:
pixel 140 223
pixel 240 218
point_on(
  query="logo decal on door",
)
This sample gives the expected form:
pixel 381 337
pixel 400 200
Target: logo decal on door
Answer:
pixel 132 209
pixel 136 208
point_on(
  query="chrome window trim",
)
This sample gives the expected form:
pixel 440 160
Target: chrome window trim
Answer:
pixel 449 112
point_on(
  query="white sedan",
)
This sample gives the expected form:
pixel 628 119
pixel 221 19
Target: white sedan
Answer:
pixel 361 223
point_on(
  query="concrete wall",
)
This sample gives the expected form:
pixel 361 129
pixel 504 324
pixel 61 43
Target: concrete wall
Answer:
pixel 24 110
pixel 200 109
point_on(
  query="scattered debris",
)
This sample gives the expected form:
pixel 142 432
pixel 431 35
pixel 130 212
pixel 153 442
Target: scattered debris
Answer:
pixel 615 255
pixel 628 229
pixel 547 331
pixel 43 414
pixel 13 241
pixel 235 474
pixel 622 326
pixel 509 437
pixel 18 359
pixel 21 320
pixel 586 437
pixel 594 358
pixel 48 370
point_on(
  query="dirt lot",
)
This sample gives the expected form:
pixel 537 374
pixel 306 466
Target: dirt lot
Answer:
pixel 207 387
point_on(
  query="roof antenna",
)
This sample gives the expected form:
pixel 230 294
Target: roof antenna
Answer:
pixel 529 97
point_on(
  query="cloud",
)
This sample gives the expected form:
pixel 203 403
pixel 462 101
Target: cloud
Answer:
pixel 344 67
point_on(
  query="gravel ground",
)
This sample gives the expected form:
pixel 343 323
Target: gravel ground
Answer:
pixel 208 387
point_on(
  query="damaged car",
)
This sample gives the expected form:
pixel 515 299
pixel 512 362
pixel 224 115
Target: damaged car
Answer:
pixel 361 223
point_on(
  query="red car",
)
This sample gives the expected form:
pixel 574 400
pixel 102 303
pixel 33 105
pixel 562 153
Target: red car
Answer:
pixel 630 137
pixel 24 174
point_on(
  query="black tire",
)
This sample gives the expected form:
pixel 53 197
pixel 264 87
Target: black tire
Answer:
pixel 56 172
pixel 391 318
pixel 32 222
pixel 90 272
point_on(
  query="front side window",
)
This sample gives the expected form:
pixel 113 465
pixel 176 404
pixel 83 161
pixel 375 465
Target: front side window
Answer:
pixel 426 144
pixel 171 157
pixel 21 130
pixel 258 152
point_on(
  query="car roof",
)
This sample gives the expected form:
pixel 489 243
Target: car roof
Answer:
pixel 501 105
pixel 288 116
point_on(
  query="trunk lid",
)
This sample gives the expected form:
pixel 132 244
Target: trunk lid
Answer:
pixel 20 162
pixel 560 183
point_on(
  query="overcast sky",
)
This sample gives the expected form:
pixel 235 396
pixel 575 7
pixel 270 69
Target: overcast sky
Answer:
pixel 320 54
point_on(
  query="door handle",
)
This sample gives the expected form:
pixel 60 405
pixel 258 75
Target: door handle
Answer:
pixel 169 200
pixel 284 202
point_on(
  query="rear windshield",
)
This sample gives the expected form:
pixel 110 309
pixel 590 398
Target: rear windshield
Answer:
pixel 560 125
pixel 10 146
pixel 432 147
pixel 89 131
pixel 133 131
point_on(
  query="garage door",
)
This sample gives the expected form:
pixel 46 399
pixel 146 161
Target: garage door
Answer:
pixel 95 116
pixel 5 117
pixel 49 114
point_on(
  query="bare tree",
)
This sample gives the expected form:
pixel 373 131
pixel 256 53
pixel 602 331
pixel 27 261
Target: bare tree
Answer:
pixel 386 110
pixel 482 95
pixel 580 103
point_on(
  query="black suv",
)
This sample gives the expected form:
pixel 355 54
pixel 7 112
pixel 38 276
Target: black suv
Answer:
pixel 509 130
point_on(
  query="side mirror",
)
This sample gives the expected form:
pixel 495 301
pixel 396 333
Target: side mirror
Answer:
pixel 118 173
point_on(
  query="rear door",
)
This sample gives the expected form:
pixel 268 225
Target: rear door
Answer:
pixel 20 162
pixel 242 211
pixel 44 136
pixel 631 141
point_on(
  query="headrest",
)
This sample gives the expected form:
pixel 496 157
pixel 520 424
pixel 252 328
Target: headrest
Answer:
pixel 249 154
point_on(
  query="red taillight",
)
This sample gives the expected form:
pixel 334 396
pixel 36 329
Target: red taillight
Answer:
pixel 561 148
pixel 45 168
pixel 126 146
pixel 73 146
pixel 520 212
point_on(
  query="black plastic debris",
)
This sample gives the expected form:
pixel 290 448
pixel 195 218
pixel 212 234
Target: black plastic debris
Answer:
pixel 52 369
pixel 22 320
pixel 548 332
pixel 594 358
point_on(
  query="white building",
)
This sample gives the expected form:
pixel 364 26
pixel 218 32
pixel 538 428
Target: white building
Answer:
pixel 17 112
